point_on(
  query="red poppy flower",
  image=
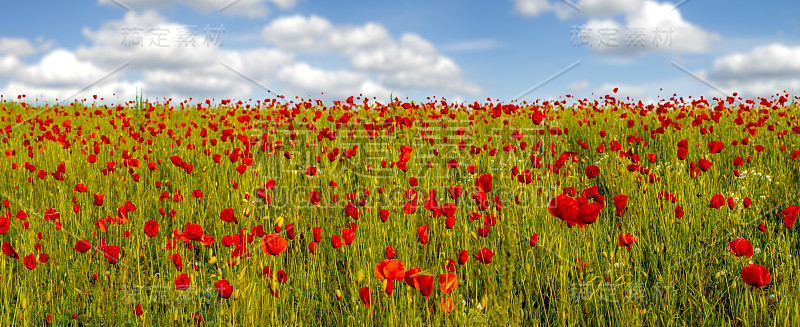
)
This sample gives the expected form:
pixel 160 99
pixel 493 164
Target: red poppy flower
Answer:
pixel 678 212
pixel 587 214
pixel 481 200
pixel 717 201
pixel 5 224
pixel 273 244
pixel 421 282
pixel 762 228
pixel 484 183
pixel 281 277
pixel 484 231
pixel 207 240
pixel 450 265
pixel 790 215
pixel 314 197
pixel 290 231
pixel 626 240
pixel 317 231
pixel 425 283
pixel 409 208
pixel 410 277
pixel 348 235
pixel 452 164
pixel 177 261
pixel 682 152
pixel 683 143
pixel 336 241
pixel 192 232
pixel 755 275
pixel 82 246
pixel 80 188
pixel 620 202
pixel 98 199
pixel 384 215
pixel 447 304
pixel 138 310
pixel 534 239
pixel 111 253
pixel 592 171
pixel 313 247
pixel 242 168
pixel 422 233
pixel 311 171
pixel 484 255
pixel 363 293
pixel 182 282
pixel 224 288
pixel 151 228
pixel 704 164
pixel 389 252
pixel 450 221
pixel 391 270
pixel 715 146
pixel 747 202
pixel 463 257
pixel 740 247
pixel 738 161
pixel 563 207
pixel 226 215
pixel 405 153
pixel 9 250
pixel 448 282
pixel 197 194
pixel 51 214
pixel 30 261
pixel 455 191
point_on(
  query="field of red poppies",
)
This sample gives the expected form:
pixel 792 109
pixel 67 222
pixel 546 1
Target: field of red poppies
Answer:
pixel 291 212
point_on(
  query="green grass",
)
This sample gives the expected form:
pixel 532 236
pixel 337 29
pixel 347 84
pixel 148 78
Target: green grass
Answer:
pixel 523 285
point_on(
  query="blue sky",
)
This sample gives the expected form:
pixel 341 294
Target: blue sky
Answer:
pixel 460 50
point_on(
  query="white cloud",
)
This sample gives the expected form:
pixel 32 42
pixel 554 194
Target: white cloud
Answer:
pixel 532 8
pixel 61 74
pixel 301 77
pixel 170 71
pixel 8 64
pixel 762 71
pixel 772 60
pixel 137 38
pixel 317 34
pixel 59 68
pixel 597 8
pixel 647 26
pixel 249 8
pixel 380 64
pixel 18 47
pixel 411 62
pixel 654 27
pixel 586 8
pixel 181 69
pixel 578 86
